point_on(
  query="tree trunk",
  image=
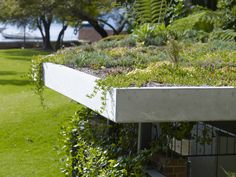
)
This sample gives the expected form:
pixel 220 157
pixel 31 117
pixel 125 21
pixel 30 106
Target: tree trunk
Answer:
pixel 39 25
pixel 60 37
pixel 47 42
pixel 44 24
pixel 211 4
pixel 115 31
pixel 98 28
pixel 94 23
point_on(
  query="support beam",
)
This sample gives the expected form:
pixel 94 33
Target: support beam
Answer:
pixel 144 135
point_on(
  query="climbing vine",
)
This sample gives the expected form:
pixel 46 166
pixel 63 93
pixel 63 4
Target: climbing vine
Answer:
pixel 36 72
pixel 91 147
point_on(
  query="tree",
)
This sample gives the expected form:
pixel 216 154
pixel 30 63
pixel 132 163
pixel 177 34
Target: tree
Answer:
pixel 93 11
pixel 41 14
pixel 36 13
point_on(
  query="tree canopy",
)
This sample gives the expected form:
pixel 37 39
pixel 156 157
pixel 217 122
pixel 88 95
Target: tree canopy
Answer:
pixel 41 14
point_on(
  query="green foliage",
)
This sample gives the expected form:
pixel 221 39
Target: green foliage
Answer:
pixel 217 53
pixel 108 54
pixel 116 41
pixel 224 35
pixel 36 72
pixel 174 51
pixel 229 173
pixel 201 26
pixel 192 36
pixel 150 11
pixel 227 9
pixel 205 21
pixel 199 64
pixel 178 130
pixel 218 45
pixel 93 148
pixel 151 34
pixel 175 11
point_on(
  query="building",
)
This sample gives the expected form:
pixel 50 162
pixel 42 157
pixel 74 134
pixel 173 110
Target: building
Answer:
pixel 88 33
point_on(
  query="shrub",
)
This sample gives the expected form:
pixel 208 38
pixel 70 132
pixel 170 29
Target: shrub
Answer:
pixel 151 34
pixel 192 36
pixel 92 148
pixel 227 9
pixel 205 21
pixel 224 35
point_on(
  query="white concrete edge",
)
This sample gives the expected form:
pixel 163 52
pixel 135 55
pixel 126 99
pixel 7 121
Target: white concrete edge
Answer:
pixel 171 105
pixel 67 81
pixel 144 104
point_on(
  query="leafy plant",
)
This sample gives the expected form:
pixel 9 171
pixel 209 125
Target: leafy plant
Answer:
pixel 174 50
pixel 151 34
pixel 229 174
pixel 205 21
pixel 175 11
pixel 224 35
pixel 36 72
pixel 91 148
pixel 178 130
pixel 227 9
pixel 150 11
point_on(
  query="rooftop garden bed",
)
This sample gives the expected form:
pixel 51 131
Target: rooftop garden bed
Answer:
pixel 122 62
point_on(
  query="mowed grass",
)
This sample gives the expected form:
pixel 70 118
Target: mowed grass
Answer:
pixel 29 134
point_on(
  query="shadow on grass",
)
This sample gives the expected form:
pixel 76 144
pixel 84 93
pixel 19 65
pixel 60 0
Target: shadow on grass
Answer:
pixel 4 73
pixel 18 58
pixel 15 82
pixel 19 54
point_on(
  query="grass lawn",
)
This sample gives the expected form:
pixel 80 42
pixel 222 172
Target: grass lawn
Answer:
pixel 29 134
